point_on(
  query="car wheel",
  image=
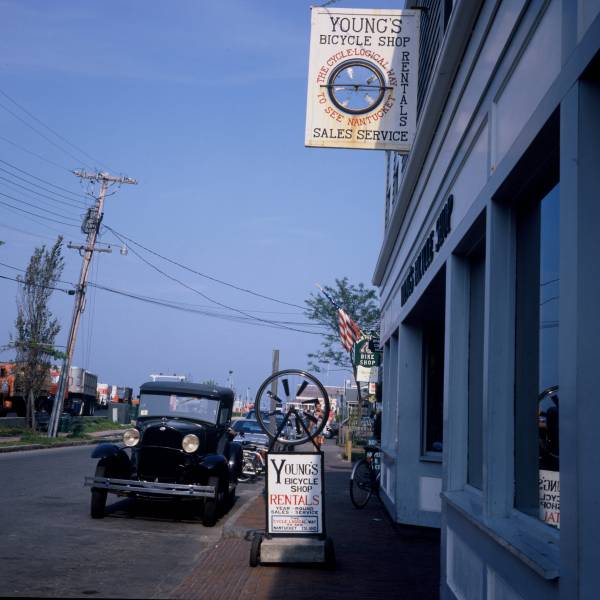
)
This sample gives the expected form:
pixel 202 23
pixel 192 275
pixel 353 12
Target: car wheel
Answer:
pixel 98 501
pixel 255 550
pixel 230 496
pixel 209 516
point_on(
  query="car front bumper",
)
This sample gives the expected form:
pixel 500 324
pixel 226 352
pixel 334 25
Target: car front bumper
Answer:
pixel 152 488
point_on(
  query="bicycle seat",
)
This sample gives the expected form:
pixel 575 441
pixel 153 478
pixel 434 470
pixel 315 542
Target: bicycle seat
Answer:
pixel 372 449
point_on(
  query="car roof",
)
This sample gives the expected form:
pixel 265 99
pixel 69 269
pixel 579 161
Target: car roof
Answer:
pixel 185 388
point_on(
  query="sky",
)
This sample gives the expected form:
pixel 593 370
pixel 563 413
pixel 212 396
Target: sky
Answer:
pixel 203 103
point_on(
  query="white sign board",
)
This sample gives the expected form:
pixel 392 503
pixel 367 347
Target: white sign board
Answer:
pixel 362 79
pixel 549 486
pixel 295 493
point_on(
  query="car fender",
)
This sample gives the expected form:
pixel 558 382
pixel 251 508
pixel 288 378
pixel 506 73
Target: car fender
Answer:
pixel 114 458
pixel 215 464
pixel 235 457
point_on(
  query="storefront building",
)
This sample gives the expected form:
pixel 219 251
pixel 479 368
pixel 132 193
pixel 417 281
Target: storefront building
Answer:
pixel 489 274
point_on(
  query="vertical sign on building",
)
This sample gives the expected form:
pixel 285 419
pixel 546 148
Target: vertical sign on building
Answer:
pixel 362 79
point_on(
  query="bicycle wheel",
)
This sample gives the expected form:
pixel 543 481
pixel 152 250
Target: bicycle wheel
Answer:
pixel 361 484
pixel 299 399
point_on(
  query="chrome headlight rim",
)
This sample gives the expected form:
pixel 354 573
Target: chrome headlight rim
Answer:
pixel 190 443
pixel 131 437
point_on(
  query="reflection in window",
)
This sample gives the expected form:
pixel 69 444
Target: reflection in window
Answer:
pixel 549 473
pixel 433 376
pixel 537 474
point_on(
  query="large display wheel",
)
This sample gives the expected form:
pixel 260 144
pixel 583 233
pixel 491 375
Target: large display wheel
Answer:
pixel 300 399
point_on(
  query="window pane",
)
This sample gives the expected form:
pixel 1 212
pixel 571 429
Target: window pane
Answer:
pixel 434 388
pixel 549 475
pixel 537 480
pixel 476 314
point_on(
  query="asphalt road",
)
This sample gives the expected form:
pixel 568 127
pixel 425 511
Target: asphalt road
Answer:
pixel 50 547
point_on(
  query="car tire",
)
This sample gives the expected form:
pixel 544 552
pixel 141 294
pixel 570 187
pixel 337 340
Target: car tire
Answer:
pixel 211 505
pixel 98 500
pixel 255 550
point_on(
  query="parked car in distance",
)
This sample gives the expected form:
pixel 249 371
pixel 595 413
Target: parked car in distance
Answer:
pixel 181 447
pixel 251 414
pixel 248 430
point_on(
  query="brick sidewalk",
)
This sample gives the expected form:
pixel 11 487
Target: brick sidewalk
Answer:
pixel 375 558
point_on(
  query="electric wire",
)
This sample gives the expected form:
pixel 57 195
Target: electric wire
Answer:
pixel 35 235
pixel 40 221
pixel 34 214
pixel 211 278
pixel 74 201
pixel 58 135
pixel 38 207
pixel 47 287
pixel 249 320
pixel 76 194
pixel 78 160
pixel 204 309
pixel 205 296
pixel 62 167
pixel 226 317
pixel 57 200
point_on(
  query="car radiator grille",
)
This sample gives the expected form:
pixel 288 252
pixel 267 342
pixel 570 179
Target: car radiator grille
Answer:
pixel 163 464
pixel 162 436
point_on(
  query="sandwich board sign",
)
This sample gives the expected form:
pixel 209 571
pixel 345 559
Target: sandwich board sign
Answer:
pixel 362 79
pixel 295 493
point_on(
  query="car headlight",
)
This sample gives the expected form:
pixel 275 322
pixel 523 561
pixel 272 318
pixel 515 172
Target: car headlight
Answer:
pixel 131 437
pixel 190 443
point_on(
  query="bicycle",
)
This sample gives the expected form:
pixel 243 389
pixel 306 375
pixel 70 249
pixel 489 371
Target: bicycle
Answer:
pixel 365 477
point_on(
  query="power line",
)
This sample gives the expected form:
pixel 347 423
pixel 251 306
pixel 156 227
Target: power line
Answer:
pixel 58 135
pixel 63 167
pixel 46 181
pixel 34 214
pixel 38 207
pixel 47 287
pixel 177 306
pixel 211 278
pixel 36 235
pixel 41 134
pixel 57 200
pixel 189 287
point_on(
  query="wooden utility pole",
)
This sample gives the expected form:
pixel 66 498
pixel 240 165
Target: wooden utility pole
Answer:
pixel 90 226
pixel 272 408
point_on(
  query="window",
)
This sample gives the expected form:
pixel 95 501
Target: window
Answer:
pixel 537 473
pixel 430 317
pixel 475 390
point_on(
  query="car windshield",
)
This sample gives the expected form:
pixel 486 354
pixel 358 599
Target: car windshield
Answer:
pixel 247 427
pixel 172 405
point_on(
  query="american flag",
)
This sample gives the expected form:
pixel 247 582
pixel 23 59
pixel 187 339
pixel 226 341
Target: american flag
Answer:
pixel 349 330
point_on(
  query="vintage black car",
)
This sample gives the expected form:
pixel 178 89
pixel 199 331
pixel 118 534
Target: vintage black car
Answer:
pixel 181 447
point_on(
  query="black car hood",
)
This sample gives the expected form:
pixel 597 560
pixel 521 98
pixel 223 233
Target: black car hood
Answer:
pixel 184 426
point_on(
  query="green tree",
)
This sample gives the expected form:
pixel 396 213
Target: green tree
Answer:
pixel 358 301
pixel 36 327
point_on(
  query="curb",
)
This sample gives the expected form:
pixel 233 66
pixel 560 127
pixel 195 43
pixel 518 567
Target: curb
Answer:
pixel 26 447
pixel 231 529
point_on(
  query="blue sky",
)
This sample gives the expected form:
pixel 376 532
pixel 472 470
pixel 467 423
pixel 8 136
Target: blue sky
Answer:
pixel 204 104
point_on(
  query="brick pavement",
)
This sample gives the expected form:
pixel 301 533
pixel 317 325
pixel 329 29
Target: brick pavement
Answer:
pixel 375 557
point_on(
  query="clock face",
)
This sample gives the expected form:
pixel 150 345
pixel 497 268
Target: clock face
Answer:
pixel 356 87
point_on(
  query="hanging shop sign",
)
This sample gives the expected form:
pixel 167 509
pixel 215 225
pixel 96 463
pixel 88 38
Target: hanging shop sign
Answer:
pixel 362 79
pixel 432 244
pixel 364 353
pixel 295 493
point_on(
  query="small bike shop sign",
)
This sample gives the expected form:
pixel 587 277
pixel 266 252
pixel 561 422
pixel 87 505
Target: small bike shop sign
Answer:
pixel 295 493
pixel 362 79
